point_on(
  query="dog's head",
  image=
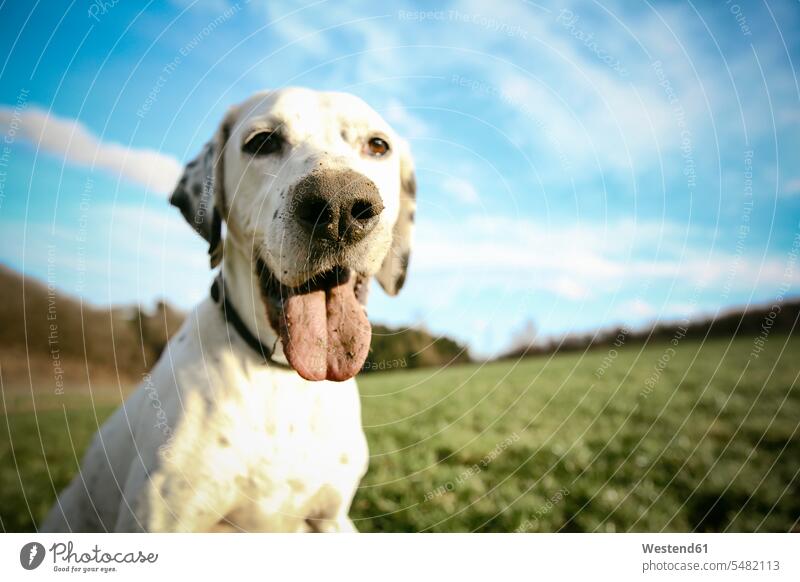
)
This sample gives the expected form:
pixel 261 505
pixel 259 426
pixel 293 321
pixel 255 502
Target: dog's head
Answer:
pixel 321 192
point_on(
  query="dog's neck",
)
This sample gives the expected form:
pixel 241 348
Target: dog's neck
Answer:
pixel 243 292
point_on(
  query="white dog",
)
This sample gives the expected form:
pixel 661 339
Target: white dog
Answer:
pixel 251 420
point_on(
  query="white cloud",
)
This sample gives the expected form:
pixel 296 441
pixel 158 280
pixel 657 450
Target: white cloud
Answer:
pixel 637 308
pixel 681 309
pixel 583 260
pixel 616 128
pixel 461 189
pixel 568 288
pixel 792 187
pixel 76 144
pixel 296 28
pixel 403 121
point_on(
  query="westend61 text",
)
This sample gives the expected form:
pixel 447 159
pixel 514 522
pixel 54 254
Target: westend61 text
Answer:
pixel 670 549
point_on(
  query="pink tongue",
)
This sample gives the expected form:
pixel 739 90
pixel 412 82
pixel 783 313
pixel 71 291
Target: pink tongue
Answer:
pixel 325 333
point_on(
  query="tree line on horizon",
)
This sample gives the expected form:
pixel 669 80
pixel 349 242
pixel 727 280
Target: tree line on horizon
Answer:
pixel 780 317
pixel 50 337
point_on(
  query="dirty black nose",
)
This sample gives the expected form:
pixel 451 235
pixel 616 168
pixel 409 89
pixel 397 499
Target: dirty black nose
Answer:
pixel 339 206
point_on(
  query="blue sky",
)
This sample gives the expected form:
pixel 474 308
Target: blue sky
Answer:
pixel 579 165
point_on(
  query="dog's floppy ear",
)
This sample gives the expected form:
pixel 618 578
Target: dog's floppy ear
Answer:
pixel 392 273
pixel 200 194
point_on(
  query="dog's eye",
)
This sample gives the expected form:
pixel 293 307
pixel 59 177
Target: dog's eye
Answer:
pixel 262 143
pixel 377 147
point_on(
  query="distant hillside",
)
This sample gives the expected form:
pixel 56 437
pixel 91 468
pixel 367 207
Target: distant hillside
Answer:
pixel 49 338
pixel 55 339
pixel 752 321
pixel 411 348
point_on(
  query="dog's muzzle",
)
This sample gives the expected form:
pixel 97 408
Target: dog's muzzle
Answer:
pixel 322 321
pixel 336 207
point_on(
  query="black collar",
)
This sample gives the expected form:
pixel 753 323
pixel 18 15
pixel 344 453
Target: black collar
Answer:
pixel 232 317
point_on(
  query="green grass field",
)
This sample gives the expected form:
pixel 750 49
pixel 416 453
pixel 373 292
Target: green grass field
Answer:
pixel 536 445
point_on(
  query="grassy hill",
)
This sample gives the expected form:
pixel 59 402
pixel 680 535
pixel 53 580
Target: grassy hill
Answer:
pixel 708 441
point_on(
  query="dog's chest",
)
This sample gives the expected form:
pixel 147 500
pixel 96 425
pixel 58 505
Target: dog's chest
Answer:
pixel 298 450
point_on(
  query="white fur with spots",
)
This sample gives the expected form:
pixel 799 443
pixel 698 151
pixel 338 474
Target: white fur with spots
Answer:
pixel 215 439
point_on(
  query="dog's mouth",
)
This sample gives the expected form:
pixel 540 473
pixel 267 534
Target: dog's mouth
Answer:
pixel 322 323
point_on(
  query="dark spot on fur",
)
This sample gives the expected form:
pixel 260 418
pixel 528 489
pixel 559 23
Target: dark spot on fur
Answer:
pixel 411 216
pixel 322 507
pixel 219 177
pixel 180 199
pixel 274 216
pixel 409 184
pixel 401 278
pixel 246 485
pixel 223 440
pixel 215 238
